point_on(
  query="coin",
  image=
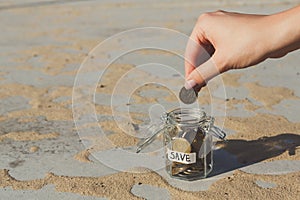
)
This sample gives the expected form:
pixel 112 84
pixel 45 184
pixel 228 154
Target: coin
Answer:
pixel 178 168
pixel 181 145
pixel 188 96
pixel 198 140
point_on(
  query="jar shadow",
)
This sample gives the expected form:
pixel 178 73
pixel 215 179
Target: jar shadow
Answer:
pixel 235 154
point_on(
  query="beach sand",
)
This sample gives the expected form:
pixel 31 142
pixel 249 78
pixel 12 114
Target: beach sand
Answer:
pixel 44 45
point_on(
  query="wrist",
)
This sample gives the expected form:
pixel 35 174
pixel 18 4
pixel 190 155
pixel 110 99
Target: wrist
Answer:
pixel 273 34
pixel 283 32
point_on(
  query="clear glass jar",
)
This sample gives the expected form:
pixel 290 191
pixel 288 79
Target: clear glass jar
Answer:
pixel 188 143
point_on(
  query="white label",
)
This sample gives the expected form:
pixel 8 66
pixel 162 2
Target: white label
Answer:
pixel 185 158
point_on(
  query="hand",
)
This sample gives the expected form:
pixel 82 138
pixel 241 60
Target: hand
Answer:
pixel 235 41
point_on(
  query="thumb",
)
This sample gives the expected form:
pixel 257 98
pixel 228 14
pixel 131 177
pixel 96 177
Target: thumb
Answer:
pixel 200 75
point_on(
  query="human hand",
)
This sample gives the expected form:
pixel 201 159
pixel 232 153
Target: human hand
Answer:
pixel 235 41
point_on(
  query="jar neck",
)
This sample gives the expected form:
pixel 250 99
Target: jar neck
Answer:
pixel 186 117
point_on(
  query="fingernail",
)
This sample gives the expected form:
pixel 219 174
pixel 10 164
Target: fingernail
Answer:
pixel 189 84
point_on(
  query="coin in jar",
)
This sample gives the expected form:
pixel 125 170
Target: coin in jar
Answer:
pixel 181 145
pixel 188 96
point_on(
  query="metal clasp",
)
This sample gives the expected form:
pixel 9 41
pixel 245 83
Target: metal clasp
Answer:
pixel 158 129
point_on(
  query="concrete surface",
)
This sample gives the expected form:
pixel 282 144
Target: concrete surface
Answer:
pixel 47 192
pixel 35 33
pixel 265 184
pixel 150 192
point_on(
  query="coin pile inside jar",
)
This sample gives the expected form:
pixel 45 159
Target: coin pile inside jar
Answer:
pixel 190 141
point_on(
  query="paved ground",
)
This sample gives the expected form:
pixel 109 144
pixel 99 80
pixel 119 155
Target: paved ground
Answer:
pixel 43 44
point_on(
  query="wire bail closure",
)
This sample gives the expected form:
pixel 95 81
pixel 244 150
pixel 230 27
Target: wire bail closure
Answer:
pixel 206 122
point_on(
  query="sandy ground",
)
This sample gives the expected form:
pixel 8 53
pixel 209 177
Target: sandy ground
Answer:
pixel 43 44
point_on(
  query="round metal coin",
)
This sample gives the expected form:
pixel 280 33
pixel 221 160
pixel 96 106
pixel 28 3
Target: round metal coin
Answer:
pixel 188 96
pixel 181 145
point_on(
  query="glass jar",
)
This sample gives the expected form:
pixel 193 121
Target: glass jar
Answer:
pixel 188 142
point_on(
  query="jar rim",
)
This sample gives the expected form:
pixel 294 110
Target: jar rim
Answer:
pixel 187 116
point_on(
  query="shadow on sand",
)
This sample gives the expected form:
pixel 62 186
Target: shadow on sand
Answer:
pixel 235 154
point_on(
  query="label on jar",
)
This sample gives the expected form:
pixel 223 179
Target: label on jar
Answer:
pixel 180 157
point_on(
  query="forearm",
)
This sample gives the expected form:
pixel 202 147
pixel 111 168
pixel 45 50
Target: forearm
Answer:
pixel 284 32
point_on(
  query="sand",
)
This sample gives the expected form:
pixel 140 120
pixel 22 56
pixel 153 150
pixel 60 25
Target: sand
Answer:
pixel 269 96
pixel 262 137
pixel 258 133
pixel 240 185
pixel 253 134
pixel 27 136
